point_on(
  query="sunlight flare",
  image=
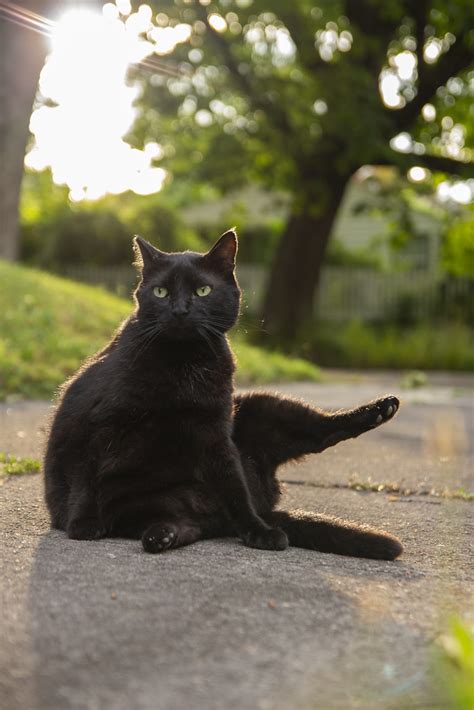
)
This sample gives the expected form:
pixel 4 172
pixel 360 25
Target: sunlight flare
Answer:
pixel 86 108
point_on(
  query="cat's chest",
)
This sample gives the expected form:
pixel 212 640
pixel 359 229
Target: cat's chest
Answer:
pixel 178 436
pixel 181 403
pixel 182 387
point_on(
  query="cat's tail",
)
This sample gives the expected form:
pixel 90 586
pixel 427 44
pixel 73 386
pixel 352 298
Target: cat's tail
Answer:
pixel 327 534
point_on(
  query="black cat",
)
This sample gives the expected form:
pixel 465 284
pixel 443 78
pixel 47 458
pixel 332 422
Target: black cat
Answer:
pixel 149 441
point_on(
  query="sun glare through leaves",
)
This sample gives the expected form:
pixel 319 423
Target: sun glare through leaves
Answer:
pixel 86 108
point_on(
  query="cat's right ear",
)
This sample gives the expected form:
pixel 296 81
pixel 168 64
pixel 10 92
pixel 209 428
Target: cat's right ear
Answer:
pixel 146 255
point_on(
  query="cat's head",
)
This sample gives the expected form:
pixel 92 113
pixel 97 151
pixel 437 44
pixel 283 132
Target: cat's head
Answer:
pixel 186 294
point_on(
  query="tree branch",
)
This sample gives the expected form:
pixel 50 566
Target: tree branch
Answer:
pixel 458 58
pixel 274 112
pixel 377 27
pixel 439 163
pixel 420 16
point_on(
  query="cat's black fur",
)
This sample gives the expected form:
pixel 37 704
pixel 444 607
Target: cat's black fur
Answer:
pixel 149 440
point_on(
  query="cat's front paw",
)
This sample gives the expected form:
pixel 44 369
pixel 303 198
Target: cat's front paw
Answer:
pixel 158 538
pixel 85 529
pixel 271 539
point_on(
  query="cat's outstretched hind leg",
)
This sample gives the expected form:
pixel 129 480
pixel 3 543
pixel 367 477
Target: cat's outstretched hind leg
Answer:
pixel 276 429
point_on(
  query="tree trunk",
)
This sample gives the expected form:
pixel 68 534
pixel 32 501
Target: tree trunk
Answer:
pixel 297 266
pixel 22 56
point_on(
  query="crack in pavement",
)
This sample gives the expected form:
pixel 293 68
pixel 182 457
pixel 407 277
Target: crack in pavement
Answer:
pixel 394 489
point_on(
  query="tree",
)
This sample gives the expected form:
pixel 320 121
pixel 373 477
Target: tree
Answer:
pixel 25 48
pixel 289 93
pixel 23 42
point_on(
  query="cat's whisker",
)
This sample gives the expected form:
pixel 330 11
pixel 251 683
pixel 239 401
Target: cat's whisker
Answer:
pixel 147 337
pixel 140 337
pixel 205 335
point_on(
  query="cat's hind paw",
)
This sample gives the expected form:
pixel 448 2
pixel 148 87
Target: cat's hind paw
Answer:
pixel 158 538
pixel 384 409
pixel 373 414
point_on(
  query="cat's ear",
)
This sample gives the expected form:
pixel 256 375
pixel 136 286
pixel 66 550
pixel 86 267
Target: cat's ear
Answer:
pixel 223 253
pixel 146 255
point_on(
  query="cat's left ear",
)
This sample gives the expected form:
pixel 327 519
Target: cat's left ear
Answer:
pixel 223 253
pixel 146 255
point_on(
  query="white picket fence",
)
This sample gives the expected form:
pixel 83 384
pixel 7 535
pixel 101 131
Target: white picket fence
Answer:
pixel 345 293
pixel 371 295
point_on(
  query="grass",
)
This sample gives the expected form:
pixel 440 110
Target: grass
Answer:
pixel 11 465
pixel 49 325
pixel 446 346
pixel 413 380
pixel 453 665
pixel 256 365
pixel 396 488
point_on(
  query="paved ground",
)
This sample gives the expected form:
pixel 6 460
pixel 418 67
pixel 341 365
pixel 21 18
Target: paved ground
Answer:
pixel 218 626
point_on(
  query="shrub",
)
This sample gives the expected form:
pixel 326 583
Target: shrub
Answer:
pixel 440 346
pixel 55 232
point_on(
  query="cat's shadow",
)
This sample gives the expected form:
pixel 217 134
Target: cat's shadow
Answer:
pixel 108 620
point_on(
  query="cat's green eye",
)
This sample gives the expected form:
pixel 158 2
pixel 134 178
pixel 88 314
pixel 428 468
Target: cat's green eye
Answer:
pixel 160 292
pixel 203 290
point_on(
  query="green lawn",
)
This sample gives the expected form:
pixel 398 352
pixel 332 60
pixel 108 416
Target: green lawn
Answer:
pixel 49 325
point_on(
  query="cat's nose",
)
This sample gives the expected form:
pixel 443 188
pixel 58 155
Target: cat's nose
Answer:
pixel 180 311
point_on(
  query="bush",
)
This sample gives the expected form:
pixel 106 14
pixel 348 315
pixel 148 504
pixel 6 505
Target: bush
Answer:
pixel 447 346
pixel 458 248
pixel 55 232
pixel 81 236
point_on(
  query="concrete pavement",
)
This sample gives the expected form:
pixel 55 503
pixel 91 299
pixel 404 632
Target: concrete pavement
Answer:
pixel 217 626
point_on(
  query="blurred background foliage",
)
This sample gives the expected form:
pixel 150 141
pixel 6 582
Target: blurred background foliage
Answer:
pixel 56 232
pixel 337 136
